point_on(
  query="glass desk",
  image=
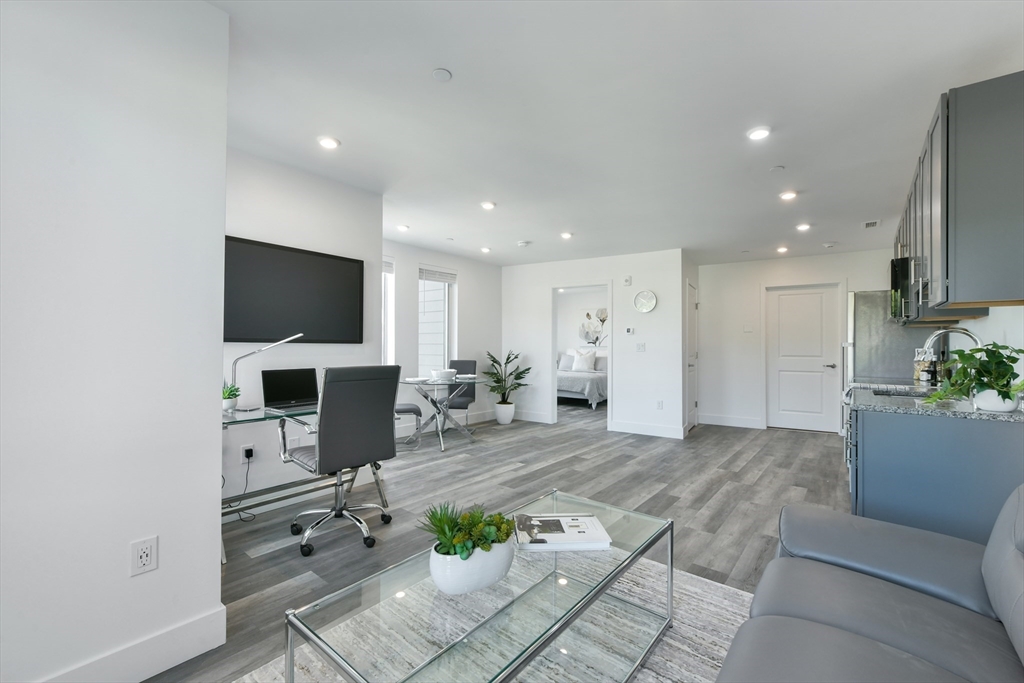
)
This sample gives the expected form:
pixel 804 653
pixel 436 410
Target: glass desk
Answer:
pixel 240 417
pixel 440 404
pixel 558 615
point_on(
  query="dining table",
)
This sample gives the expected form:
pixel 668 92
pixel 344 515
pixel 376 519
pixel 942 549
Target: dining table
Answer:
pixel 428 389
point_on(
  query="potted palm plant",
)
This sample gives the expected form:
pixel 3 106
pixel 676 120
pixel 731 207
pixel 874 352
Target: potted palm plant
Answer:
pixel 473 550
pixel 986 375
pixel 503 382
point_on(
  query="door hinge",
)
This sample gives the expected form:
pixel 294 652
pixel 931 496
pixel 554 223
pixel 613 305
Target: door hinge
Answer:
pixel 696 355
pixel 697 306
pixel 694 404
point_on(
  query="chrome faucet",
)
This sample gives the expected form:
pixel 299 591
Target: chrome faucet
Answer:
pixel 930 342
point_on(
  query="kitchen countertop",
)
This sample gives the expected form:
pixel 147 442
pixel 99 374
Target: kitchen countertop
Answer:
pixel 865 399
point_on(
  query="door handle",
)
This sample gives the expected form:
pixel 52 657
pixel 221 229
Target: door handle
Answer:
pixel 830 365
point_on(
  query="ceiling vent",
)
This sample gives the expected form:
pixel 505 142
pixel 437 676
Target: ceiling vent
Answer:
pixel 871 224
pixel 523 243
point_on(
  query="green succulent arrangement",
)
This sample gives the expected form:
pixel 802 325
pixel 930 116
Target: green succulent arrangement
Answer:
pixel 459 532
pixel 982 368
pixel 503 380
pixel 230 391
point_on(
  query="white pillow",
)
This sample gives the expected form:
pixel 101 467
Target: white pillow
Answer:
pixel 565 361
pixel 584 360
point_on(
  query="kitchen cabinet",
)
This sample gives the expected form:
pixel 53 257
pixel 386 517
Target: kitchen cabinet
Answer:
pixel 950 475
pixel 962 227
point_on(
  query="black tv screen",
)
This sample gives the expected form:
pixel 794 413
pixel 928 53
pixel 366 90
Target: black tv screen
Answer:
pixel 273 292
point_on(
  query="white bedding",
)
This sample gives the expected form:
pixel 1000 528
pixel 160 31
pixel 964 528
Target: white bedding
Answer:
pixel 592 385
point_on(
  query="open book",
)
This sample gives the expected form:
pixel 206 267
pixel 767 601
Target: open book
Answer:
pixel 561 532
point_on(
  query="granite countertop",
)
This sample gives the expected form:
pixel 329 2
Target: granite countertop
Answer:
pixel 865 399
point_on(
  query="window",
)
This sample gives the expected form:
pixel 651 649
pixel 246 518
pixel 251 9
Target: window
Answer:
pixel 435 297
pixel 387 317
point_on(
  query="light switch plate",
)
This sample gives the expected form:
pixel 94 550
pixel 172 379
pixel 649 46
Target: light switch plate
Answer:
pixel 628 280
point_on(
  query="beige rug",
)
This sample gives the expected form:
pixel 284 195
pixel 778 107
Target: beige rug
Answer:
pixel 706 616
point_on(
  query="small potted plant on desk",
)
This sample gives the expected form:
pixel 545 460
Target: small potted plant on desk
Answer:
pixel 473 550
pixel 503 383
pixel 230 395
pixel 985 375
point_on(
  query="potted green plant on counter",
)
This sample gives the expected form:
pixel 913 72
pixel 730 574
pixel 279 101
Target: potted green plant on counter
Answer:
pixel 472 550
pixel 503 382
pixel 229 395
pixel 986 376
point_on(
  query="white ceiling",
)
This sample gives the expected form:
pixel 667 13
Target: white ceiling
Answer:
pixel 621 122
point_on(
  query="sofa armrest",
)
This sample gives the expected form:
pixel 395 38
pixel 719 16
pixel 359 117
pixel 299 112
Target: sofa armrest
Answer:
pixel 944 567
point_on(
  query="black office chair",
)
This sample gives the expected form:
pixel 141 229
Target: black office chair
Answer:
pixel 468 395
pixel 356 428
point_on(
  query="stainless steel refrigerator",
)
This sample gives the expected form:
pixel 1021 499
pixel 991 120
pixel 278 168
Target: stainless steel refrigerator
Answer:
pixel 878 350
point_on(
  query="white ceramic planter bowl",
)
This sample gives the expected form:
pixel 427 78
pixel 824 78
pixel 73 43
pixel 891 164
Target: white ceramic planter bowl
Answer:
pixel 504 412
pixel 990 401
pixel 228 404
pixel 456 576
pixel 443 374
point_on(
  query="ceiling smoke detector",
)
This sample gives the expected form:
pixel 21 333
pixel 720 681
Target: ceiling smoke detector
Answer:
pixel 442 75
pixel 522 243
pixel 871 224
pixel 828 245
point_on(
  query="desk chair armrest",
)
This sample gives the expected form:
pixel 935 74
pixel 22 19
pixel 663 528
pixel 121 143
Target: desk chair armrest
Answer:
pixel 282 438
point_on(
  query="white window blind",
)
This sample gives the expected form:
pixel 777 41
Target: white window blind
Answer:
pixel 434 275
pixel 389 267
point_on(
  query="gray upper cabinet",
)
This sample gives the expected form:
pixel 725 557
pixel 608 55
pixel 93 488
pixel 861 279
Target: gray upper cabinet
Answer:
pixel 962 228
pixel 985 199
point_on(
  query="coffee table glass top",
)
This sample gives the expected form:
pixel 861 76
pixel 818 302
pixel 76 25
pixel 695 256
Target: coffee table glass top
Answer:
pixel 396 625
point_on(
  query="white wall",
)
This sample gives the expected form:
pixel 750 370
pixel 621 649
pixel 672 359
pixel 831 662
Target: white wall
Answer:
pixel 477 319
pixel 1004 324
pixel 270 202
pixel 113 129
pixel 636 380
pixel 731 365
pixel 571 306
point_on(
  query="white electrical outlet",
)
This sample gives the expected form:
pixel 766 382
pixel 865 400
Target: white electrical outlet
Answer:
pixel 241 452
pixel 293 442
pixel 661 405
pixel 144 557
pixel 641 347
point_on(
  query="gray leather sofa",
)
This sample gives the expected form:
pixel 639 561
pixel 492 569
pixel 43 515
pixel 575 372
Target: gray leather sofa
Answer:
pixel 855 599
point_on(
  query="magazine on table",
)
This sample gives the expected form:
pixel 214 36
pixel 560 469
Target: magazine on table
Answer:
pixel 557 532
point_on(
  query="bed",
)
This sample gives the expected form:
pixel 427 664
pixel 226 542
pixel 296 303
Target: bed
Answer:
pixel 589 385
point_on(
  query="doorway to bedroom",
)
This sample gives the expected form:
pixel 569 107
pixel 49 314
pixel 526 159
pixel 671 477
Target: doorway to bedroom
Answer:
pixel 583 333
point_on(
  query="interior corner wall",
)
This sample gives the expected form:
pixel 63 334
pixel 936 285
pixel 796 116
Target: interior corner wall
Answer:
pixel 690 276
pixel 113 121
pixel 1004 325
pixel 637 380
pixel 731 368
pixel 279 204
pixel 477 318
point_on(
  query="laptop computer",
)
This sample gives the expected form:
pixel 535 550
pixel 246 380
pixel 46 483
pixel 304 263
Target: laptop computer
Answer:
pixel 290 389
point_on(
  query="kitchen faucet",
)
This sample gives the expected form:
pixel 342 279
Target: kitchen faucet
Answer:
pixel 930 342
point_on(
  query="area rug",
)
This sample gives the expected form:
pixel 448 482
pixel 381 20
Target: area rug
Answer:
pixel 706 616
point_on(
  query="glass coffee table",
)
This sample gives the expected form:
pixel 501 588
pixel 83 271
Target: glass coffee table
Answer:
pixel 585 616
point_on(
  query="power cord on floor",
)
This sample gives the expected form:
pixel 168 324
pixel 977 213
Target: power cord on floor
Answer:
pixel 252 516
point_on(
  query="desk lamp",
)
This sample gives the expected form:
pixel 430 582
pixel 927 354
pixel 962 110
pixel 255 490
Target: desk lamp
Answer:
pixel 253 353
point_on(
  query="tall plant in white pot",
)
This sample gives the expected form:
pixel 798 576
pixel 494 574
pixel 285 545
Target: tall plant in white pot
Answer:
pixel 503 382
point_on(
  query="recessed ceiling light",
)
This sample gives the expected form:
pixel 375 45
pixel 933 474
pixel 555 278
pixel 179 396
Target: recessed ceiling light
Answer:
pixel 566 235
pixel 759 133
pixel 488 205
pixel 486 250
pixel 560 291
pixel 328 142
pixel 450 239
pixel 400 594
pixel 782 250
pixel 563 581
pixel 403 228
pixel 442 75
pixel 776 169
pixel 803 227
pixel 563 650
pixel 745 251
pixel 787 195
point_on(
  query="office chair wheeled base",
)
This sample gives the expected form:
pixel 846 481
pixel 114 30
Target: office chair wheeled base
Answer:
pixel 342 511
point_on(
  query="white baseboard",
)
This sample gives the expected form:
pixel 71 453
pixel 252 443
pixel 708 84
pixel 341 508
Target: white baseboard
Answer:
pixel 731 421
pixel 532 416
pixel 646 429
pixel 149 656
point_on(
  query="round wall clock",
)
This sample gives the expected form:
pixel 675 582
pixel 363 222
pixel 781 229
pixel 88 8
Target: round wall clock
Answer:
pixel 645 301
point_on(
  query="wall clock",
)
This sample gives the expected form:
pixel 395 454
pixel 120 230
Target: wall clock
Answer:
pixel 645 301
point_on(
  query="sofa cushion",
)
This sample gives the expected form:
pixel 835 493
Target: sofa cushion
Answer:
pixel 954 638
pixel 942 566
pixel 1003 568
pixel 774 649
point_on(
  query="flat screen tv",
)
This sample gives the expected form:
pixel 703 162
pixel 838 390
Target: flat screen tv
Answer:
pixel 272 292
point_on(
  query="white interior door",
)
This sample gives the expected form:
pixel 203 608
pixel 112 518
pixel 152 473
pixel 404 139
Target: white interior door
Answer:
pixel 804 381
pixel 691 356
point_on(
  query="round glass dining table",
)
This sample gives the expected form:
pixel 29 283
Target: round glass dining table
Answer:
pixel 441 417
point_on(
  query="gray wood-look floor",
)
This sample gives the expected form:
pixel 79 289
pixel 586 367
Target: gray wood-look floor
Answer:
pixel 723 486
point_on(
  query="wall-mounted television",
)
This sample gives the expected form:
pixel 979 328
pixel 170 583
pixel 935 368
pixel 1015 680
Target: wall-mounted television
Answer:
pixel 272 292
